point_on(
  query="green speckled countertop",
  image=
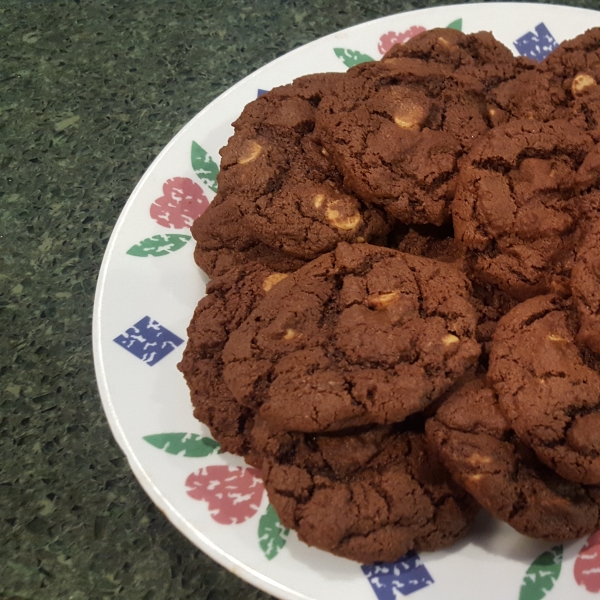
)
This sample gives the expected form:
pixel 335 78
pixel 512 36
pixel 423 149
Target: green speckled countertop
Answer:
pixel 90 92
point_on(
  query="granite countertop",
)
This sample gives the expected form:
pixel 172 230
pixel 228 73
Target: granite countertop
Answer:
pixel 90 92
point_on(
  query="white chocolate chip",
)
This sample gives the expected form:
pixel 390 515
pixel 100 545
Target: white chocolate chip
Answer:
pixel 446 44
pixel 345 222
pixel 382 301
pixel 251 154
pixel 554 337
pixel 581 83
pixel 449 340
pixel 410 116
pixel 290 334
pixel 318 201
pixel 272 280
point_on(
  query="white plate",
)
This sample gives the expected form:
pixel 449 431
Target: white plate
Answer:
pixel 147 291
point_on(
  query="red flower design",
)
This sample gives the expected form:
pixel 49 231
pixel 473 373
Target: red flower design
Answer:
pixel 387 40
pixel 233 494
pixel 587 564
pixel 182 202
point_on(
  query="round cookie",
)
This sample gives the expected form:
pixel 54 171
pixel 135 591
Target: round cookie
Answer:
pixel 228 301
pixel 474 441
pixel 287 191
pixel 548 387
pixel 358 336
pixel 397 128
pixel 517 205
pixel 369 496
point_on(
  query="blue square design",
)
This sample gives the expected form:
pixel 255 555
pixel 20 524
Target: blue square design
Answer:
pixel 536 45
pixel 149 341
pixel 261 93
pixel 405 576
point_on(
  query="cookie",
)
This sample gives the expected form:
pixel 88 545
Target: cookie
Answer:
pixel 572 57
pixel 585 285
pixel 397 128
pixel 477 55
pixel 517 205
pixel 532 94
pixel 549 387
pixel 228 301
pixel 474 441
pixel 358 336
pixel 369 496
pixel 279 187
pixel 563 86
pixel 223 243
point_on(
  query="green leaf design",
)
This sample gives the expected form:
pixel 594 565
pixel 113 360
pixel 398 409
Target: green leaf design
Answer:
pixel 272 535
pixel 351 57
pixel 456 25
pixel 204 166
pixel 542 574
pixel 184 444
pixel 160 245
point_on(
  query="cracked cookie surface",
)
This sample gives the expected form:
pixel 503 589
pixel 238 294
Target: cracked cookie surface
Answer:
pixel 287 190
pixel 518 203
pixel 585 285
pixel 228 301
pixel 396 128
pixel 549 387
pixel 369 496
pixel 474 441
pixel 360 335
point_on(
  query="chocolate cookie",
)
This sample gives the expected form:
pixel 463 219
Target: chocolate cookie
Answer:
pixel 476 55
pixel 548 387
pixel 517 205
pixel 585 284
pixel 228 301
pixel 563 86
pixel 223 242
pixel 579 55
pixel 360 335
pixel 279 187
pixel 474 441
pixel 574 67
pixel 370 496
pixel 533 94
pixel 396 128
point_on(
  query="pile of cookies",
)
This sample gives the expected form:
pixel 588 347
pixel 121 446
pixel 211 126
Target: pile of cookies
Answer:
pixel 403 321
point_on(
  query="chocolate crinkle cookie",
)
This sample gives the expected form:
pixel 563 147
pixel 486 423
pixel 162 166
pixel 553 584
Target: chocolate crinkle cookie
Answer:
pixel 403 321
pixel 549 386
pixel 229 300
pixel 361 335
pixel 518 203
pixel 397 128
pixel 473 439
pixel 281 196
pixel 368 496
